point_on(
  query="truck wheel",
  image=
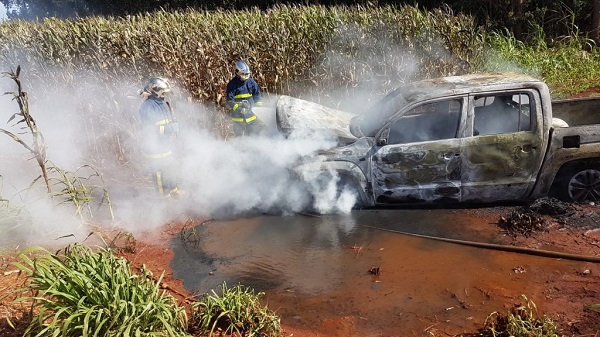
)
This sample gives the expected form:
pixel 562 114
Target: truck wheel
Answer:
pixel 345 183
pixel 582 184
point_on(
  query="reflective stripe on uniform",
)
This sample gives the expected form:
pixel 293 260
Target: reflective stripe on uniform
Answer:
pixel 161 125
pixel 246 95
pixel 259 103
pixel 159 183
pixel 242 120
pixel 159 155
pixel 162 122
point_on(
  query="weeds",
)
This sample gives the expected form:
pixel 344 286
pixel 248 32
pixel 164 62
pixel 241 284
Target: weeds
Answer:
pixel 189 233
pixel 85 293
pixel 237 310
pixel 520 322
pixel 74 188
pixel 78 190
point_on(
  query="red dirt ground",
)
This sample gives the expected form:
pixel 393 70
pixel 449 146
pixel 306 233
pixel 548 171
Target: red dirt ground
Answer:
pixel 562 297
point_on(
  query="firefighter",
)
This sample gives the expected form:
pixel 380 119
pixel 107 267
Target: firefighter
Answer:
pixel 243 93
pixel 159 130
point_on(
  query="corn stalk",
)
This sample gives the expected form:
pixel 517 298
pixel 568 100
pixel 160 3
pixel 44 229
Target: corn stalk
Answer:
pixel 38 148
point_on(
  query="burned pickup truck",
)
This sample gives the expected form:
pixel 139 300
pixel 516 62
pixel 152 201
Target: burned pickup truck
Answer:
pixel 475 138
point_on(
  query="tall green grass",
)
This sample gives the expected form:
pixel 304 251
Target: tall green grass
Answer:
pixel 568 65
pixel 236 311
pixel 81 292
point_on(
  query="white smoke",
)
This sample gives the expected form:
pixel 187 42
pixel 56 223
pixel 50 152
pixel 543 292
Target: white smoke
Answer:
pixel 221 178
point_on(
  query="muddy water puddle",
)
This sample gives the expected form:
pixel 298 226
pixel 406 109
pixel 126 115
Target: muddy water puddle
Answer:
pixel 357 275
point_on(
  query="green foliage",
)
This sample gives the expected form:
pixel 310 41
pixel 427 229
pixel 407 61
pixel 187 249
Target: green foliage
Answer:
pixel 520 322
pixel 79 190
pixel 569 65
pixel 85 293
pixel 236 310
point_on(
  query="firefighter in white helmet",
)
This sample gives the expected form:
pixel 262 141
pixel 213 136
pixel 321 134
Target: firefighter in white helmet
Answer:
pixel 243 93
pixel 159 130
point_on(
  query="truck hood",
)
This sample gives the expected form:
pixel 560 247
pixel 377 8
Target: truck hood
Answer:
pixel 295 114
pixel 355 152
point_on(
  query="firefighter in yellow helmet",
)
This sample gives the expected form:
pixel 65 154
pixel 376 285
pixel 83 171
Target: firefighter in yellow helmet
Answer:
pixel 243 93
pixel 159 130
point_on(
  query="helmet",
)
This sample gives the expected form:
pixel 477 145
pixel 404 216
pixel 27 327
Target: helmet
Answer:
pixel 242 70
pixel 156 86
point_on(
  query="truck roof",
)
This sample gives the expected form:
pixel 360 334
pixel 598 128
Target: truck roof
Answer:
pixel 479 79
pixel 422 90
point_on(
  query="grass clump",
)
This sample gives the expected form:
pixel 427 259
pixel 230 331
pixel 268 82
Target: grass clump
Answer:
pixel 237 310
pixel 522 321
pixel 569 65
pixel 80 292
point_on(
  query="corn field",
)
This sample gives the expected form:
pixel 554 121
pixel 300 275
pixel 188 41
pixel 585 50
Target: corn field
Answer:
pixel 327 54
pixel 286 46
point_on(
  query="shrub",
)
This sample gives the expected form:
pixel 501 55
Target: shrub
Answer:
pixel 236 310
pixel 85 293
pixel 522 321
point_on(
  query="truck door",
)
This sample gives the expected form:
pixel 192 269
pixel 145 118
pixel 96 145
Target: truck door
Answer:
pixel 418 155
pixel 504 152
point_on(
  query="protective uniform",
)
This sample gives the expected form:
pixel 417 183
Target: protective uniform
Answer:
pixel 243 93
pixel 158 135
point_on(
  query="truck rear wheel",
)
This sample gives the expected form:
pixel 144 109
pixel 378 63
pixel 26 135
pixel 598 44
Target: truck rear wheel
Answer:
pixel 581 184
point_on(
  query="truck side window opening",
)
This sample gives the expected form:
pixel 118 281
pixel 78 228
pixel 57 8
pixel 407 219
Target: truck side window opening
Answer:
pixel 502 114
pixel 427 122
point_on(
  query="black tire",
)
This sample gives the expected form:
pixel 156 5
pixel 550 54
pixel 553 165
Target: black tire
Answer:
pixel 347 183
pixel 581 184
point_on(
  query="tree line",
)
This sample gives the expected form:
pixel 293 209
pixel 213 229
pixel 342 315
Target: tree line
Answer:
pixel 522 17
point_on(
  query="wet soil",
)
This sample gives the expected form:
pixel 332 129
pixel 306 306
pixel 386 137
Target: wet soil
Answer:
pixel 376 302
pixel 393 279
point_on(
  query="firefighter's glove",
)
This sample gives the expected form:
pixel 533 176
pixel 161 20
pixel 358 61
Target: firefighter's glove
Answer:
pixel 245 107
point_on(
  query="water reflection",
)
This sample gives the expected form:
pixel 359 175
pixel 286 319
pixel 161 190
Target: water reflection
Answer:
pixel 310 254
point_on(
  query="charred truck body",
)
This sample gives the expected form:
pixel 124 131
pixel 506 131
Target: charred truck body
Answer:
pixel 476 138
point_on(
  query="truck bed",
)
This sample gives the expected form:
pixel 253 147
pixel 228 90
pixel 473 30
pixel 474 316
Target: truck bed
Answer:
pixel 577 111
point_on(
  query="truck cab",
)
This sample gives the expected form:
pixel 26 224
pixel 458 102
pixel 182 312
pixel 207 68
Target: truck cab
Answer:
pixel 476 138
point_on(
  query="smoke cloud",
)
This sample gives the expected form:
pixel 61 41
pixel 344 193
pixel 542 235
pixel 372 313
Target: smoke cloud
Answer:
pixel 98 132
pixel 91 129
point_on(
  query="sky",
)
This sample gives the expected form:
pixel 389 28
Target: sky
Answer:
pixel 2 12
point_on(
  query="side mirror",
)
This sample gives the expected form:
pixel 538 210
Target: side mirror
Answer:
pixel 355 127
pixel 383 136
